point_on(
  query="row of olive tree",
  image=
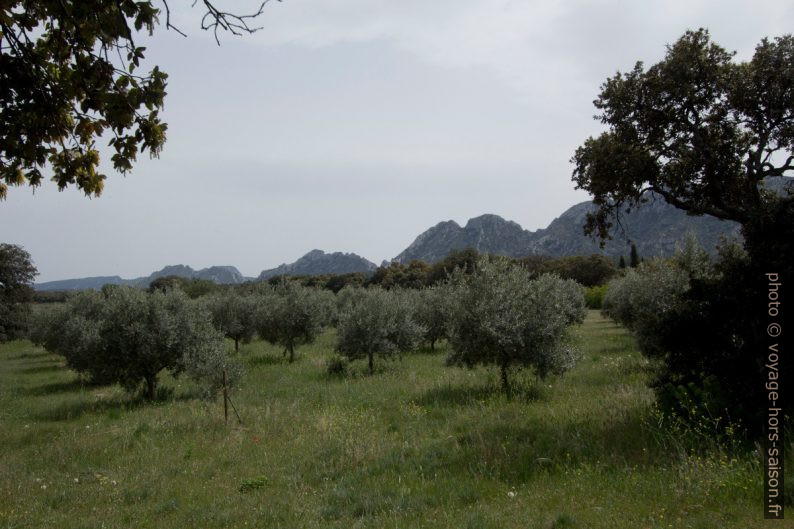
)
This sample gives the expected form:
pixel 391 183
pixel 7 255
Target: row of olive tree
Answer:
pixel 128 336
pixel 644 298
pixel 370 321
pixel 499 315
pixel 374 322
pixel 286 314
pixel 678 309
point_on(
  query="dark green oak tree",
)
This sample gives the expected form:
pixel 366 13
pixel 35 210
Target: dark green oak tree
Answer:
pixel 70 74
pixel 703 131
pixel 711 136
pixel 17 273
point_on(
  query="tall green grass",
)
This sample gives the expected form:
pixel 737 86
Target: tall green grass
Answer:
pixel 417 444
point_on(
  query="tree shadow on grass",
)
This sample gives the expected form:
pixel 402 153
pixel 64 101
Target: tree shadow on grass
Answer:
pixel 267 360
pixel 35 370
pixel 75 385
pixel 515 453
pixel 427 350
pixel 41 354
pixel 465 394
pixel 115 404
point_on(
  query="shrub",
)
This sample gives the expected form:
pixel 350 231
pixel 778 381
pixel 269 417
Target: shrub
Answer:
pixel 588 271
pixel 642 299
pixel 594 296
pixel 501 317
pixel 337 366
pixel 713 352
pixel 375 322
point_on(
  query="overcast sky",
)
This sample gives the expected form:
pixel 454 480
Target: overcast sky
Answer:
pixel 354 125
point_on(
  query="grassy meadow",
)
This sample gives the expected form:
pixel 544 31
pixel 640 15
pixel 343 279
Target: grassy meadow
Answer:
pixel 416 445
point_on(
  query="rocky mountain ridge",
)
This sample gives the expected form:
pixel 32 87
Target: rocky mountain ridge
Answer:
pixel 655 228
pixel 317 262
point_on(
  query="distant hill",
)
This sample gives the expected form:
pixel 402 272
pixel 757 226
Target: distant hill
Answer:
pixel 486 234
pixel 83 283
pixel 654 228
pixel 317 262
pixel 224 275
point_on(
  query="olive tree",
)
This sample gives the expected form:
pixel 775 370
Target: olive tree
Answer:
pixel 376 322
pixel 73 331
pixel 691 257
pixel 234 315
pixel 432 313
pixel 290 315
pixel 644 297
pixel 564 295
pixel 129 336
pixel 502 317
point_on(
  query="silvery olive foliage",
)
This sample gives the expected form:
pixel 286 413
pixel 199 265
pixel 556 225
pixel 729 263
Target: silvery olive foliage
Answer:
pixel 500 316
pixel 376 322
pixel 326 305
pixel 128 336
pixel 345 298
pixel 564 295
pixel 72 330
pixel 234 315
pixel 432 312
pixel 691 257
pixel 644 297
pixel 208 364
pixel 290 315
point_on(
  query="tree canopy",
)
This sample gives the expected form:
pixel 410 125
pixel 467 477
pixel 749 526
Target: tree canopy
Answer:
pixel 711 136
pixel 375 321
pixel 16 277
pixel 127 335
pixel 700 130
pixel 70 74
pixel 501 316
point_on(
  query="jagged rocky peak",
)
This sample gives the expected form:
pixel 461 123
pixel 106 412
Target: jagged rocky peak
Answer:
pixel 487 234
pixel 221 274
pixel 179 270
pixel 655 227
pixel 490 221
pixel 317 262
pixel 315 255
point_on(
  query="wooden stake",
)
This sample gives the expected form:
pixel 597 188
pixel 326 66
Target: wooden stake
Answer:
pixel 225 400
